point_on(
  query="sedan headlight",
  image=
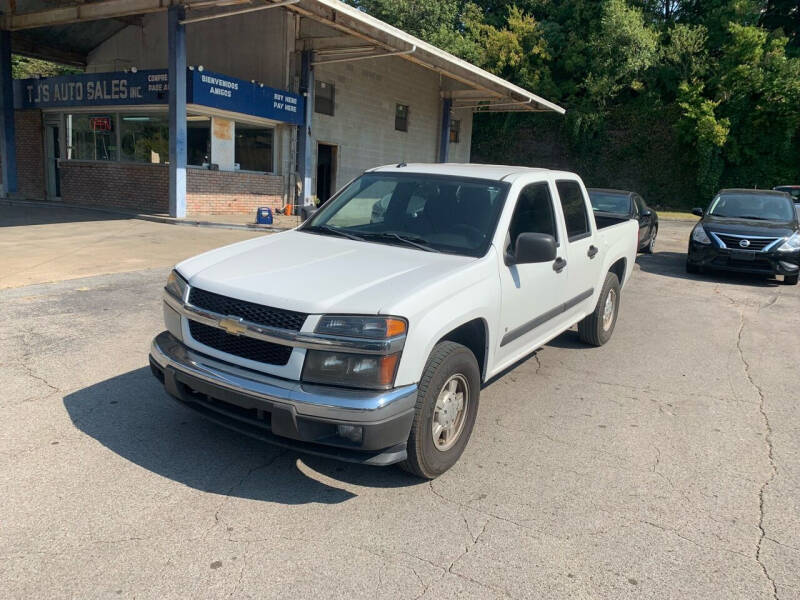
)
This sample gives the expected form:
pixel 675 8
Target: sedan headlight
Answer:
pixel 176 286
pixel 351 370
pixel 792 244
pixel 700 236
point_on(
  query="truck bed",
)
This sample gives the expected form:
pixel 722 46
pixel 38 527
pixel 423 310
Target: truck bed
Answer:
pixel 605 219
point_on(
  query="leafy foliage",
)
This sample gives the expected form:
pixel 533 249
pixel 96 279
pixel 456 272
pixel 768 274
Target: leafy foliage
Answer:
pixel 707 90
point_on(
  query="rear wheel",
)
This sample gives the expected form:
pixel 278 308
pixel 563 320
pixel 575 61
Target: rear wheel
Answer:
pixel 447 405
pixel 790 279
pixel 651 243
pixel 598 327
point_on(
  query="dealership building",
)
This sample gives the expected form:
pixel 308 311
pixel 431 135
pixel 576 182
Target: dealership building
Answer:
pixel 223 106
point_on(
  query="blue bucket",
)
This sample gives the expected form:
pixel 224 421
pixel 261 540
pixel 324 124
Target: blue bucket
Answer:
pixel 264 216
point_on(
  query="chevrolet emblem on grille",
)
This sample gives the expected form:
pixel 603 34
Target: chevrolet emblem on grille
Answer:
pixel 232 326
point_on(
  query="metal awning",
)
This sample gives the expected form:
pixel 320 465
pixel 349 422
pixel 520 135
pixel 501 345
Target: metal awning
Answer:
pixel 67 31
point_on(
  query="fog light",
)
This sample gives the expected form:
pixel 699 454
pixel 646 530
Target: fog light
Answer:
pixel 351 432
pixel 788 266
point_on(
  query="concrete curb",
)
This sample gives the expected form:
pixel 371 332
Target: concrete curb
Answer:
pixel 146 217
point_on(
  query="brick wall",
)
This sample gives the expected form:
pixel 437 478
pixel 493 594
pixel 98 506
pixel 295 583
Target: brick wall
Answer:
pixel 226 192
pixel 137 187
pixel 30 154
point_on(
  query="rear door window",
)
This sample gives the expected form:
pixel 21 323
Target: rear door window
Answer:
pixel 573 204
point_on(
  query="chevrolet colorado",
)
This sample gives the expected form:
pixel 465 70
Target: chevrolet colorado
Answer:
pixel 366 335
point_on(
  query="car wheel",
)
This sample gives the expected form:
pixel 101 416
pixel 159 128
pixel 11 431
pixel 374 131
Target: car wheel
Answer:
pixel 790 279
pixel 598 327
pixel 651 244
pixel 447 405
pixel 692 268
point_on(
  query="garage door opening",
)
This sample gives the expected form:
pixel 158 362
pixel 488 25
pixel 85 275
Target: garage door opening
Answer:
pixel 326 171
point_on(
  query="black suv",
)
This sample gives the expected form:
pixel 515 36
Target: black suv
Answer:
pixel 750 231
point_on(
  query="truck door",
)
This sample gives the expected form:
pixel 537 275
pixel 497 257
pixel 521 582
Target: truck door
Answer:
pixel 582 251
pixel 533 294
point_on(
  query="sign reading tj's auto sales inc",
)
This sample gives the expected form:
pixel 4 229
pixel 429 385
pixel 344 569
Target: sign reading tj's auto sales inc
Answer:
pixel 152 87
pixel 100 89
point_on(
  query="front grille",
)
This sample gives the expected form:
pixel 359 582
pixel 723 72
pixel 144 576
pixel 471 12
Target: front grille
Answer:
pixel 243 347
pixel 756 244
pixel 249 311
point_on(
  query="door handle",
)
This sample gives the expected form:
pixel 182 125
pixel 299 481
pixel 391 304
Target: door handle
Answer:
pixel 559 265
pixel 593 251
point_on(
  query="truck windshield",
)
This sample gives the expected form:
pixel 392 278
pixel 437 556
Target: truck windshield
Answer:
pixel 753 206
pixel 610 202
pixel 432 213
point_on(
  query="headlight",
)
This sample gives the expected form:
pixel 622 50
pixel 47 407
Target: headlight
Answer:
pixel 376 328
pixel 350 370
pixel 792 244
pixel 176 286
pixel 700 236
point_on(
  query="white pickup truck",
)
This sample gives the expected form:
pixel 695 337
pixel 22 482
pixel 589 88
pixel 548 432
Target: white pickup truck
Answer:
pixel 367 333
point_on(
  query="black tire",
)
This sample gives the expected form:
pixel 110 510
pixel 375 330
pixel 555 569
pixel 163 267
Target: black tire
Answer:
pixel 448 360
pixel 651 242
pixel 692 268
pixel 790 279
pixel 593 329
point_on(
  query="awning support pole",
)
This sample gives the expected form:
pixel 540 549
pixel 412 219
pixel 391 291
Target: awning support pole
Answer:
pixel 304 139
pixel 444 140
pixel 8 146
pixel 176 37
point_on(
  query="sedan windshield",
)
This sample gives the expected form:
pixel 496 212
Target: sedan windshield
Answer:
pixel 431 213
pixel 753 206
pixel 610 202
pixel 793 191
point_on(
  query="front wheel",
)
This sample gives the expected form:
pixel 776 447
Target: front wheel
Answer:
pixel 598 327
pixel 447 405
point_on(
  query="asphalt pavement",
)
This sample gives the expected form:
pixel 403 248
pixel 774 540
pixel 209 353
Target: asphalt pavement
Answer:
pixel 663 465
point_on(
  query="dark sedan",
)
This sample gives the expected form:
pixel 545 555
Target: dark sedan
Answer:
pixel 750 231
pixel 630 205
pixel 792 190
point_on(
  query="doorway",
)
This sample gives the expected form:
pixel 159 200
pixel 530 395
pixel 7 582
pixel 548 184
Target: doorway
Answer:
pixel 52 143
pixel 326 171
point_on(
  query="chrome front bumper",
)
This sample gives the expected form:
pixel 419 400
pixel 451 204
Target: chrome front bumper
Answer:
pixel 290 413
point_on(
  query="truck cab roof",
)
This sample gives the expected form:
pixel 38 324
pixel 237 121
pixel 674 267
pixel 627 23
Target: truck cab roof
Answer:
pixel 475 171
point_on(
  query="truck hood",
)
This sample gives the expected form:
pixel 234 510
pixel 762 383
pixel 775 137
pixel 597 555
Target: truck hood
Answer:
pixel 318 274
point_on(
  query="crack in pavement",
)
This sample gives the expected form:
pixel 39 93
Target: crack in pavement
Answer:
pixel 770 455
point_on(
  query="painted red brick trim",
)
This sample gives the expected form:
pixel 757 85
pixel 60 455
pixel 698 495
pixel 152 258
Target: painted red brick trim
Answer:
pixel 226 192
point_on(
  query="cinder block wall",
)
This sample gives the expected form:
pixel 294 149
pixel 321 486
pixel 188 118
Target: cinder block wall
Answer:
pixel 136 187
pixel 226 192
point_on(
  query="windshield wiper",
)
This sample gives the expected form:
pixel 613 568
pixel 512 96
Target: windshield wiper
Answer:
pixel 755 218
pixel 416 242
pixel 336 231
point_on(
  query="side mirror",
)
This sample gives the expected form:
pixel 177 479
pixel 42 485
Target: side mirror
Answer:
pixel 647 213
pixel 307 211
pixel 698 211
pixel 533 248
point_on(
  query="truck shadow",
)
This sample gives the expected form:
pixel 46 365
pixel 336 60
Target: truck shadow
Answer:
pixel 673 264
pixel 132 416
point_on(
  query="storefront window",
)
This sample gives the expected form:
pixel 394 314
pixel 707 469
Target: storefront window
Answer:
pixel 199 141
pixel 144 138
pixel 92 137
pixel 254 147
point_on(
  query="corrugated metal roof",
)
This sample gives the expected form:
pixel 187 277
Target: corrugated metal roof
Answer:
pixel 57 29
